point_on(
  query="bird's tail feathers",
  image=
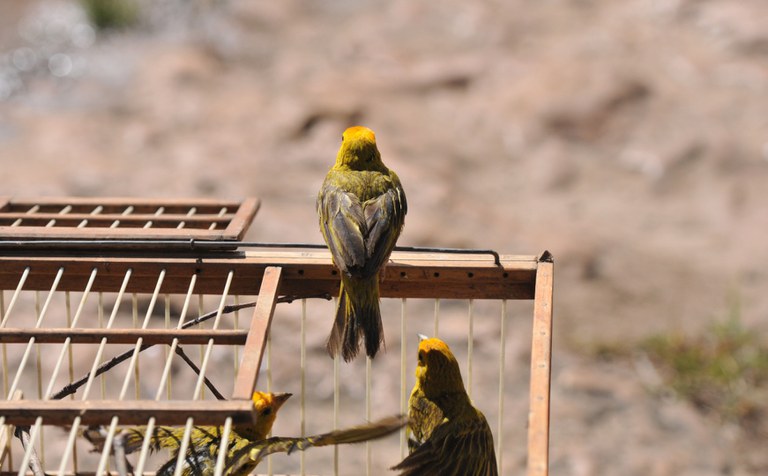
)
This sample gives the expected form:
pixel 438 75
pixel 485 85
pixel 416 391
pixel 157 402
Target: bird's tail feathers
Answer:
pixel 357 317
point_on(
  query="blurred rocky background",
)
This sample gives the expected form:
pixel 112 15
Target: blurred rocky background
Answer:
pixel 628 138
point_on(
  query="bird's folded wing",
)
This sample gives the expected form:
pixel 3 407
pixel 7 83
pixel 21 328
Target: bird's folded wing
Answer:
pixel 343 226
pixel 453 451
pixel 384 217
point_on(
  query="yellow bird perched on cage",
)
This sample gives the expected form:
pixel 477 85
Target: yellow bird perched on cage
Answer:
pixel 449 435
pixel 247 444
pixel 362 207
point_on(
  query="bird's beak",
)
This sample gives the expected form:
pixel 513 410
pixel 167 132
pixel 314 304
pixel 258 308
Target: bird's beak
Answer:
pixel 422 337
pixel 281 398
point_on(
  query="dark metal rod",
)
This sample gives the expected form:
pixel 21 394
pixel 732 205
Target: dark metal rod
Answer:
pixel 192 244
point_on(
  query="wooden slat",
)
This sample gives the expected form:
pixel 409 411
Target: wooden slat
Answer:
pixel 123 336
pixel 305 274
pixel 125 233
pixel 124 202
pixel 541 372
pixel 130 412
pixel 111 217
pixel 243 218
pixel 248 373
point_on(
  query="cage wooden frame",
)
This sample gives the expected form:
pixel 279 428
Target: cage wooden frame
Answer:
pixel 272 275
pixel 125 218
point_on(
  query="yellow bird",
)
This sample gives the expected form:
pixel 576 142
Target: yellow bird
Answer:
pixel 449 435
pixel 204 440
pixel 247 445
pixel 362 207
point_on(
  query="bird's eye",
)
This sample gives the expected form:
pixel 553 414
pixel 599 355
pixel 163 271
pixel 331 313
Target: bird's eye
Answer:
pixel 266 411
pixel 421 357
pixel 342 137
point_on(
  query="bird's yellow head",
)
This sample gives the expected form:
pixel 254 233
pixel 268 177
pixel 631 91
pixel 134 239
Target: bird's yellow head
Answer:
pixel 437 370
pixel 266 406
pixel 358 150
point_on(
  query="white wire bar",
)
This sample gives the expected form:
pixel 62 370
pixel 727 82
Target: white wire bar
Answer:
pixel 368 361
pixel 303 383
pixel 135 315
pixel 68 341
pixel 201 379
pixel 63 211
pixel 28 451
pixel 437 318
pixel 236 325
pixel 129 371
pixel 470 342
pixel 502 360
pixel 128 210
pixel 190 213
pixel 69 448
pixel 164 377
pixel 268 370
pixel 31 211
pixel 5 431
pixel 336 387
pixel 95 211
pixel 157 213
pixel 218 470
pixel 403 366
pixel 222 212
pixel 30 344
pixel 35 432
pixel 202 325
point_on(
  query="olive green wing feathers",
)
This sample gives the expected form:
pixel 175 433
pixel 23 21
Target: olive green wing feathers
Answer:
pixel 424 416
pixel 252 454
pixel 342 224
pixel 384 218
pixel 361 235
pixel 454 450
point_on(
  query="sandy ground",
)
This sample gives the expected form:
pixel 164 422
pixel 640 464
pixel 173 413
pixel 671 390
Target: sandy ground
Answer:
pixel 628 138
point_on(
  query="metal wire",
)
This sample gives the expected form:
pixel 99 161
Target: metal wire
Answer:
pixel 163 378
pixel 31 211
pixel 25 356
pixel 368 373
pixel 502 359
pixel 403 357
pixel 303 384
pixel 131 370
pixel 336 385
pixel 221 458
pixel 91 376
pixel 197 244
pixel 201 377
pixel 28 452
pixel 66 347
pixel 470 342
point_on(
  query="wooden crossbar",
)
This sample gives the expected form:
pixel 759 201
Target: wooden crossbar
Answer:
pixel 304 273
pixel 123 336
pixel 130 412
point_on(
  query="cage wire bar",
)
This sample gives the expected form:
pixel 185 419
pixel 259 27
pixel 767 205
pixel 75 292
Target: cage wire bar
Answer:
pixel 273 276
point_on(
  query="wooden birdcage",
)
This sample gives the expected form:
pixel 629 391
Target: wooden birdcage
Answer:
pixel 104 303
